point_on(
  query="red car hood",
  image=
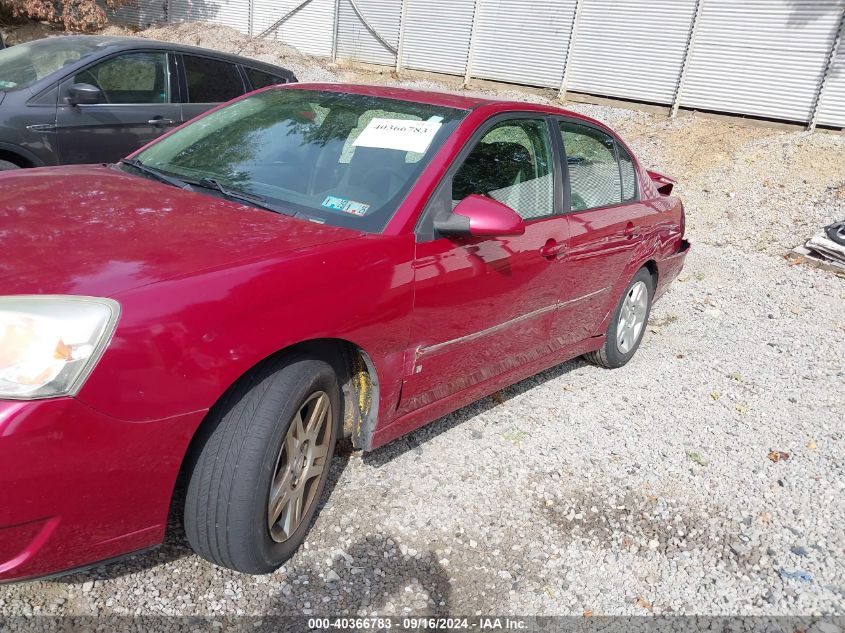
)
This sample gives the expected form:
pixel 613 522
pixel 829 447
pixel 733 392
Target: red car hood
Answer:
pixel 98 231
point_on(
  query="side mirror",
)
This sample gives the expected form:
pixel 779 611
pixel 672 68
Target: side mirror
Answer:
pixel 478 216
pixel 84 94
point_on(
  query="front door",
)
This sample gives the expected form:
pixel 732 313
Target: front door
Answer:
pixel 603 229
pixel 136 108
pixel 484 306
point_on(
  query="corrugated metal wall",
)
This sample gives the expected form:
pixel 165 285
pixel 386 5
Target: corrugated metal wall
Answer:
pixel 234 13
pixel 831 108
pixel 356 42
pixel 632 49
pixel 522 41
pixel 305 30
pixel 760 57
pixel 140 14
pixel 437 35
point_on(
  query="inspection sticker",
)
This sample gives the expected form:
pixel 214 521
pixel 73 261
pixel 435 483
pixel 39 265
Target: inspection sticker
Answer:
pixel 406 136
pixel 347 206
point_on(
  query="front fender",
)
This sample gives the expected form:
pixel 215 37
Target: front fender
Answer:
pixel 182 342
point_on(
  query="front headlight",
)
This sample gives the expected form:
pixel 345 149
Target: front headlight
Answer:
pixel 50 344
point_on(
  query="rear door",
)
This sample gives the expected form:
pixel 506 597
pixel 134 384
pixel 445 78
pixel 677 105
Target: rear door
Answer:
pixel 484 306
pixel 137 107
pixel 604 220
pixel 208 82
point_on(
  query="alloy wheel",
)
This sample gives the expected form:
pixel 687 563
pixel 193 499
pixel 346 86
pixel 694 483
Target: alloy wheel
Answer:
pixel 300 466
pixel 632 317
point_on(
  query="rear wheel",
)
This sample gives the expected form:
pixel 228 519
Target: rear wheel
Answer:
pixel 262 465
pixel 627 325
pixel 6 165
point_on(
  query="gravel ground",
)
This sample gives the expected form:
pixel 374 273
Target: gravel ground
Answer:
pixel 647 489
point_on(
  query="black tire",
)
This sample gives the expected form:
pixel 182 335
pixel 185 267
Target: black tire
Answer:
pixel 6 165
pixel 234 463
pixel 609 355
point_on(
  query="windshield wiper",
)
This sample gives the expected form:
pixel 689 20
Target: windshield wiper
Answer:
pixel 240 196
pixel 155 173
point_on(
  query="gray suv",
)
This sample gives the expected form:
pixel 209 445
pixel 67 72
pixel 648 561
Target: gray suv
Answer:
pixel 93 99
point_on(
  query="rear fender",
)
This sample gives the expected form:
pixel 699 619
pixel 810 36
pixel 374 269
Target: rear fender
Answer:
pixel 648 250
pixel 663 183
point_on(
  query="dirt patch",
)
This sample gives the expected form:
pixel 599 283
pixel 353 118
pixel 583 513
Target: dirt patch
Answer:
pixel 635 523
pixel 19 34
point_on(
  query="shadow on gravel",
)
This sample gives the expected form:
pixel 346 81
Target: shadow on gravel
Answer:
pixel 361 578
pixel 175 544
pixel 414 441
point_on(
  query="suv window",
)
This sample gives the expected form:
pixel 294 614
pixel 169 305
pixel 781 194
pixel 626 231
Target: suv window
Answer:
pixel 131 78
pixel 260 79
pixel 512 163
pixel 594 175
pixel 211 80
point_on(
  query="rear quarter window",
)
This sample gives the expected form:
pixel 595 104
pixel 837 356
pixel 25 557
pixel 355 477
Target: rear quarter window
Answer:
pixel 628 173
pixel 261 79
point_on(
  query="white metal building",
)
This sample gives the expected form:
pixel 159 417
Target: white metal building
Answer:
pixel 778 59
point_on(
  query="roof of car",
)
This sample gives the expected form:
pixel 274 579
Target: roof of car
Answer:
pixel 117 43
pixel 432 97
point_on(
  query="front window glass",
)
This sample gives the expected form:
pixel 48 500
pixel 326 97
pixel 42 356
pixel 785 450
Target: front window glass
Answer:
pixel 335 158
pixel 24 64
pixel 512 164
pixel 133 78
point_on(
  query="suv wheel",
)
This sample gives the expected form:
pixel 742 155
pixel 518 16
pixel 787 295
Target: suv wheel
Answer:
pixel 6 165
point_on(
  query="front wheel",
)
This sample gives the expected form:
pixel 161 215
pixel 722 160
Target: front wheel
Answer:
pixel 627 325
pixel 261 465
pixel 6 165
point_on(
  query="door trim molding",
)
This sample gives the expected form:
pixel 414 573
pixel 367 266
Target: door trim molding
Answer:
pixel 422 351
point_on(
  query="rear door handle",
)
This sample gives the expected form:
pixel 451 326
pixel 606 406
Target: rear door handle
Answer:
pixel 552 249
pixel 160 121
pixel 631 231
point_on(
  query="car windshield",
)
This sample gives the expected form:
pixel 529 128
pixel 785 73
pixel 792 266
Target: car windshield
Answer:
pixel 335 158
pixel 24 64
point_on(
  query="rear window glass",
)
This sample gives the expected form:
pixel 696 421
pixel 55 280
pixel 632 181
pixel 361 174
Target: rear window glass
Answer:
pixel 211 81
pixel 594 176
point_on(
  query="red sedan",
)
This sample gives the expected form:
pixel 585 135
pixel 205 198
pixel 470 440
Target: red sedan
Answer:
pixel 304 263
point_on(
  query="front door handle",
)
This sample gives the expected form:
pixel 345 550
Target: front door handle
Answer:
pixel 160 121
pixel 552 249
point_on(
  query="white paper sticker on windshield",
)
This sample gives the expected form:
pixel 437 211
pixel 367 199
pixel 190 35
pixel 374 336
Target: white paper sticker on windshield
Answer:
pixel 399 134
